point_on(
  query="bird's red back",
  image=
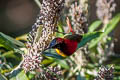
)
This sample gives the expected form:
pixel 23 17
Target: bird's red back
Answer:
pixel 68 47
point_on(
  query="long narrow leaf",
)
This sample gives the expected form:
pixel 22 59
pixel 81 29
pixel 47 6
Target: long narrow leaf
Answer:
pixel 88 37
pixel 94 26
pixel 9 42
pixel 12 40
pixel 112 24
pixel 19 75
pixel 2 77
pixel 60 29
pixel 62 63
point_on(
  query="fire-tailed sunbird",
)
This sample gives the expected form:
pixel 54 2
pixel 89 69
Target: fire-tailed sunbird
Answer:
pixel 65 46
pixel 68 45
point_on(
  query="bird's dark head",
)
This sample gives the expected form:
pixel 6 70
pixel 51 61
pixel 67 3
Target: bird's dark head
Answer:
pixel 55 42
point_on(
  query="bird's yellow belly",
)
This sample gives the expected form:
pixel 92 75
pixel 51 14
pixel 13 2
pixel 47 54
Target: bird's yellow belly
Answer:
pixel 60 53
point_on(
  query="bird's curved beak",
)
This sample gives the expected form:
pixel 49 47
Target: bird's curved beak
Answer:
pixel 46 49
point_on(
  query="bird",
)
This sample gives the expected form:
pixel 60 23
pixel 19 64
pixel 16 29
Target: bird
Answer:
pixel 69 44
pixel 62 47
pixel 65 46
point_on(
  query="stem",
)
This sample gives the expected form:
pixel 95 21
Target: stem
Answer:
pixel 38 3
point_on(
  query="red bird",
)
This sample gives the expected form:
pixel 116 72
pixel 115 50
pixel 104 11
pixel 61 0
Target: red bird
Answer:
pixel 68 45
pixel 65 46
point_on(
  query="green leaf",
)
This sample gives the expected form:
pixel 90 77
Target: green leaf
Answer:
pixel 52 53
pixel 19 75
pixel 12 40
pixel 80 77
pixel 2 77
pixel 88 37
pixel 31 75
pixel 38 33
pixel 94 26
pixel 9 42
pixel 62 63
pixel 55 58
pixel 109 27
pixel 47 61
pixel 60 29
pixel 10 54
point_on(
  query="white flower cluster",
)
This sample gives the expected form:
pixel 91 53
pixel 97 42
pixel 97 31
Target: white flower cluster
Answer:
pixel 105 9
pixel 48 17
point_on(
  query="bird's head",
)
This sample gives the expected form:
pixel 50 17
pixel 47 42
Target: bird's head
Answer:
pixel 55 43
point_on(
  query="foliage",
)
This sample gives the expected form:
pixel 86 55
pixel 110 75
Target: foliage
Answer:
pixel 11 51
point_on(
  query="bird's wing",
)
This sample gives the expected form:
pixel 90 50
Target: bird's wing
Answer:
pixel 74 37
